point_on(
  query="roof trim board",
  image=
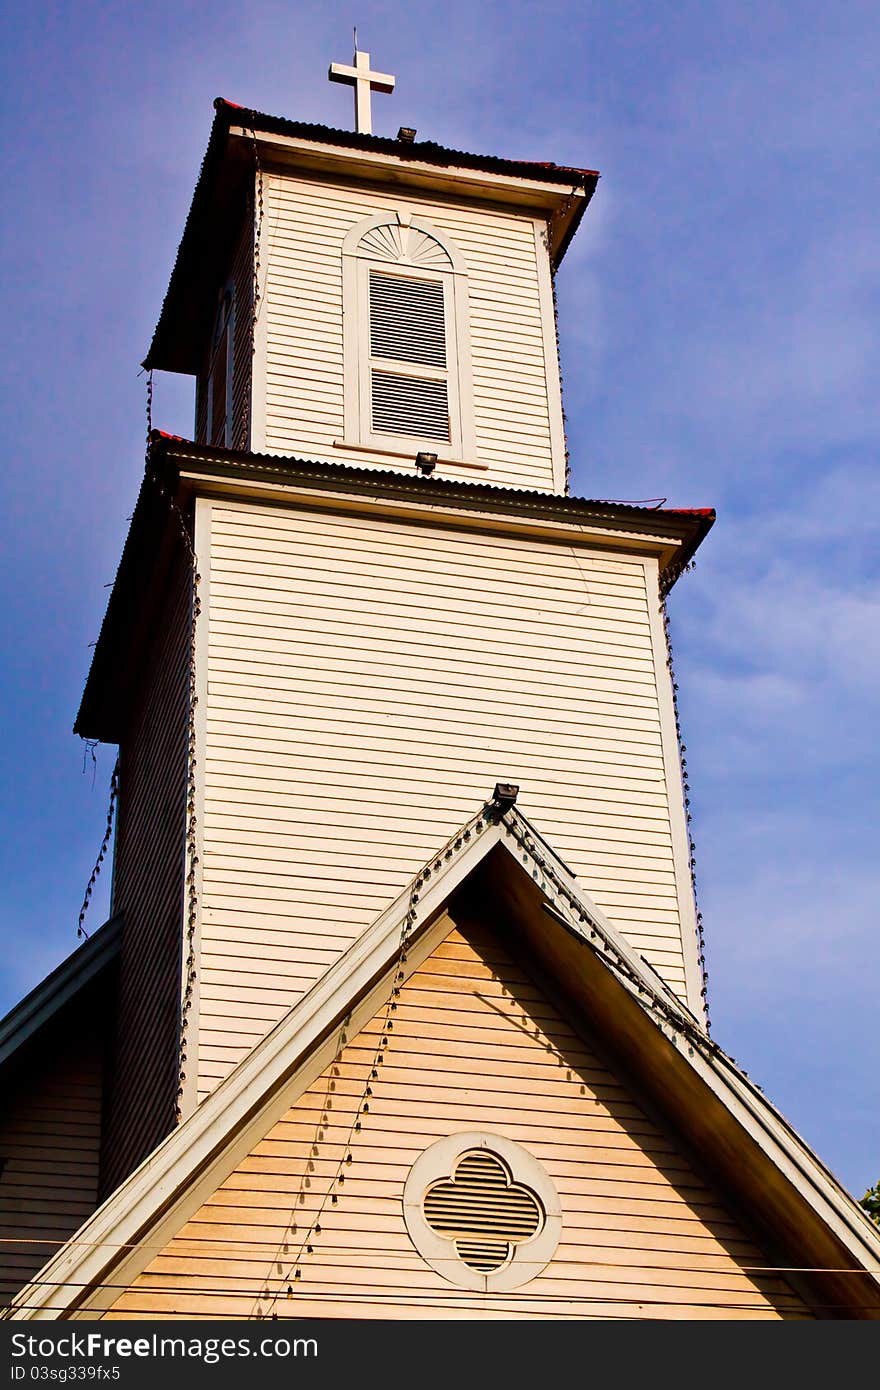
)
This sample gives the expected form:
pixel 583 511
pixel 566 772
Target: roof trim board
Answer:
pixel 156 1200
pixel 73 974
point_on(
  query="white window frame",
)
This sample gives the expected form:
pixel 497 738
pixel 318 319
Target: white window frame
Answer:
pixel 449 269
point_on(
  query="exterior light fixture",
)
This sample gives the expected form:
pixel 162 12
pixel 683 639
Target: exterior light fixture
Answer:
pixel 504 796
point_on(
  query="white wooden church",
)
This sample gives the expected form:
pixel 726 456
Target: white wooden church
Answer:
pixel 400 1011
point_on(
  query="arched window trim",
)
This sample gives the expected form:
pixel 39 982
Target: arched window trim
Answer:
pixel 357 260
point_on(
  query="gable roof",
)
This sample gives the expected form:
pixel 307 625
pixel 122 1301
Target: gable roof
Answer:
pixel 496 863
pixel 45 1001
pixel 228 165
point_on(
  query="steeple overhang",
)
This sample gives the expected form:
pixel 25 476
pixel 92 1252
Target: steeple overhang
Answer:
pixel 186 470
pixel 239 137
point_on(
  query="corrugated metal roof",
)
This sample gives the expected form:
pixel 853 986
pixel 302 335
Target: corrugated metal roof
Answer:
pixel 419 151
pixel 428 487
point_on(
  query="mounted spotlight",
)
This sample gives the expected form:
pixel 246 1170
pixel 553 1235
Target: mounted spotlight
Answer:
pixel 504 796
pixel 406 134
pixel 426 463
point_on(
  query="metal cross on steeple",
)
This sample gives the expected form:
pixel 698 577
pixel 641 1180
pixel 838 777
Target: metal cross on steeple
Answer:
pixel 364 82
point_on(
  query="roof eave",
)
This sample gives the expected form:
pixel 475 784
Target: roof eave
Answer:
pixel 182 469
pixel 47 998
pixel 228 164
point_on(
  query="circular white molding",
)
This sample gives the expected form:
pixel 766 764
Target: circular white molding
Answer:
pixel 529 1257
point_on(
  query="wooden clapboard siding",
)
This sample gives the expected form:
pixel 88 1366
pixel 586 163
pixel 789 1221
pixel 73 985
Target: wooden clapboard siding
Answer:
pixel 50 1138
pixel 305 224
pixel 242 357
pixel 476 1045
pixel 241 273
pixel 368 683
pixel 148 891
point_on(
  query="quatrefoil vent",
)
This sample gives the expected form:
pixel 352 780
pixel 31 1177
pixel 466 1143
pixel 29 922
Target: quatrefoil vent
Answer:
pixel 483 1211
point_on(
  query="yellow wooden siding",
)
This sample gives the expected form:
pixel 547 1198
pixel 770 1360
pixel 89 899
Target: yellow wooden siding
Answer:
pixel 368 683
pixel 304 227
pixel 148 891
pixel 50 1139
pixel 475 1045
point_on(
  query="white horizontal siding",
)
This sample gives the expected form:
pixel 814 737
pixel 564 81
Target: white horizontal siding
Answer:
pixel 368 683
pixel 305 224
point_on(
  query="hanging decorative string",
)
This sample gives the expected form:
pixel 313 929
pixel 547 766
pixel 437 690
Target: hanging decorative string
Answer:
pixel 108 830
pixel 560 212
pixel 362 1108
pixel 561 385
pixel 191 839
pixel 308 1241
pixel 686 791
pixel 551 881
pixel 321 1125
pixel 243 441
pixel 90 744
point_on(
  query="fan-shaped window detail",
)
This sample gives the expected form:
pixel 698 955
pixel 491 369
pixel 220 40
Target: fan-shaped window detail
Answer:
pixel 407 362
pixel 482 1212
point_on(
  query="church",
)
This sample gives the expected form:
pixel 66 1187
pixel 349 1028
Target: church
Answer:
pixel 401 1008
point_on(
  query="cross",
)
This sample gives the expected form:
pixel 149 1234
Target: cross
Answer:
pixel 363 82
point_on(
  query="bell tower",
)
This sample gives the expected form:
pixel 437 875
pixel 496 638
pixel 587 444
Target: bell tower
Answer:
pixel 361 596
pixel 361 300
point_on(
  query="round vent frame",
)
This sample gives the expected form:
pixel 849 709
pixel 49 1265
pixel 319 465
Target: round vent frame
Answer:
pixel 436 1167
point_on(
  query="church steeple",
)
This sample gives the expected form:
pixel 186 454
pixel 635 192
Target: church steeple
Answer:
pixel 461 1034
pixel 354 299
pixel 386 604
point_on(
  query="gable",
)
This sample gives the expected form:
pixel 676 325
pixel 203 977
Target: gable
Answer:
pixel 476 1046
pixel 495 870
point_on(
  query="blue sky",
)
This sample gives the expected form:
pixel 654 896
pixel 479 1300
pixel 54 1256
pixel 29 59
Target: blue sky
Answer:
pixel 718 317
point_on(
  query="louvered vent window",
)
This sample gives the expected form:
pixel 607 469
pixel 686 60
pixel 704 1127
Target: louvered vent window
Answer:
pixel 408 359
pixel 482 1211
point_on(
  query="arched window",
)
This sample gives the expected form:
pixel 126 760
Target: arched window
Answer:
pixel 407 358
pixel 220 370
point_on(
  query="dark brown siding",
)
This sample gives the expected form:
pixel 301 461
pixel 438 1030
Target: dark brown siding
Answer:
pixel 241 273
pixel 50 1137
pixel 242 360
pixel 148 890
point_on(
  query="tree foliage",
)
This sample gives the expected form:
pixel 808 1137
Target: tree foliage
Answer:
pixel 871 1202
